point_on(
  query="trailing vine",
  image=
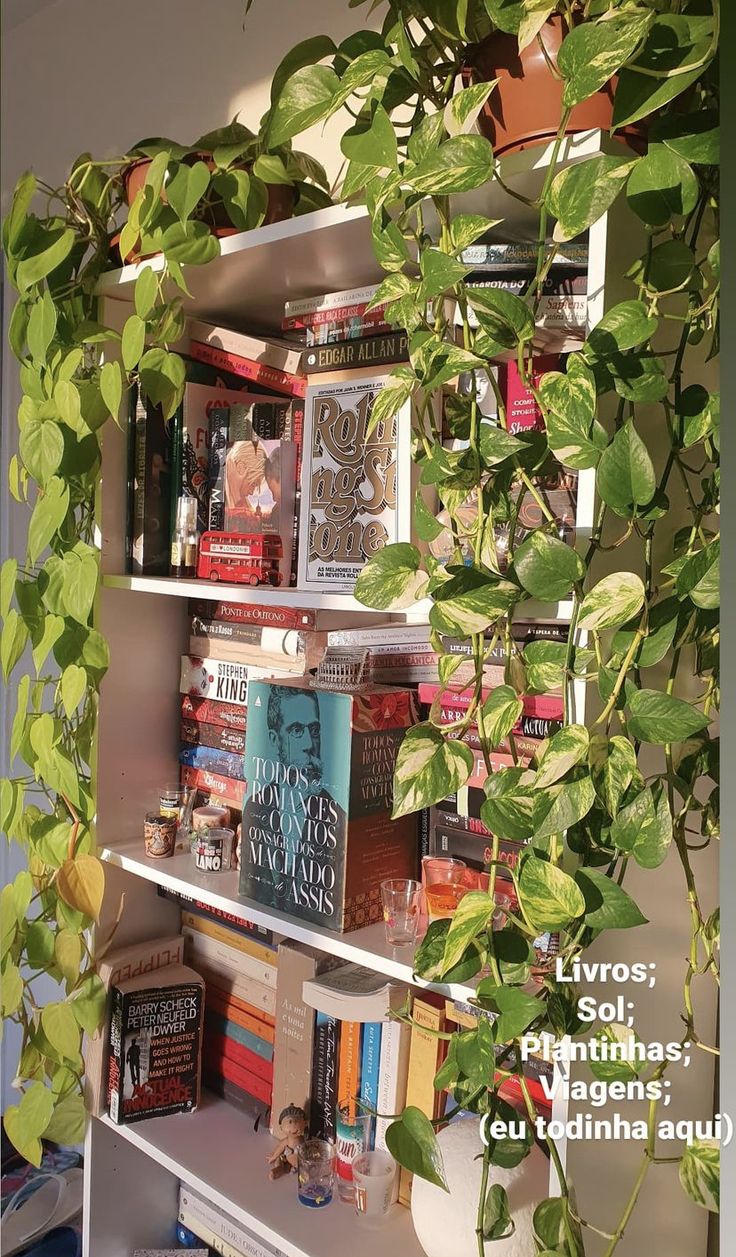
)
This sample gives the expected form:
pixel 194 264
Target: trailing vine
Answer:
pixel 638 784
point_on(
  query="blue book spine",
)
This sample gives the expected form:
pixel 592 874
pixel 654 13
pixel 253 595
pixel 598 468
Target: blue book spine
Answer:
pixel 246 1039
pixel 369 1062
pixel 228 763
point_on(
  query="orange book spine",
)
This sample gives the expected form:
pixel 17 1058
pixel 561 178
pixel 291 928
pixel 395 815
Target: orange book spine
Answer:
pixel 424 1057
pixel 348 1071
pixel 234 1011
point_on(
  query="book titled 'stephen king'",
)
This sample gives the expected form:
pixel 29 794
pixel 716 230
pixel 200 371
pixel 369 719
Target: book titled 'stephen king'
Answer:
pixel 317 834
pixel 357 482
pixel 155 1045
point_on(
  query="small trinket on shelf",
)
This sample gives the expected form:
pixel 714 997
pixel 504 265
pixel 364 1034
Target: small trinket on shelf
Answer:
pixel 292 1126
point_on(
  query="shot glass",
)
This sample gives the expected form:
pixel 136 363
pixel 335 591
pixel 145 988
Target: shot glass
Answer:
pixel 315 1172
pixel 399 897
pixel 353 1129
pixel 374 1174
pixel 171 800
pixel 446 881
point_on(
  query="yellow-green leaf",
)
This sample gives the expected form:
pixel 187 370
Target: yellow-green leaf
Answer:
pixel 73 685
pixel 61 1029
pixel 68 954
pixel 81 884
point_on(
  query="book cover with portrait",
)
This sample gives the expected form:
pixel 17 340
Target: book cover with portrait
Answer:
pixel 317 834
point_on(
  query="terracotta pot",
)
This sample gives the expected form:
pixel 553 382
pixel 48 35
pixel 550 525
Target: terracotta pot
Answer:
pixel 135 256
pixel 280 195
pixel 525 108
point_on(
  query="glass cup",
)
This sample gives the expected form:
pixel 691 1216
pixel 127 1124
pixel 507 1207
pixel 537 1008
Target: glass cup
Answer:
pixel 315 1172
pixel 442 868
pixel 171 800
pixel 400 899
pixel 353 1131
pixel 374 1174
pixel 212 850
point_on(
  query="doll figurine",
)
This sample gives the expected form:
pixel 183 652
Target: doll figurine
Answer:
pixel 292 1126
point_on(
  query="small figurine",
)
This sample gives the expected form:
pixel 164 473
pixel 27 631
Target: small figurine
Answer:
pixel 292 1126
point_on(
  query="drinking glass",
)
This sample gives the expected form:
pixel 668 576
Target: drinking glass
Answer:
pixel 374 1174
pixel 400 910
pixel 315 1172
pixel 353 1137
pixel 445 884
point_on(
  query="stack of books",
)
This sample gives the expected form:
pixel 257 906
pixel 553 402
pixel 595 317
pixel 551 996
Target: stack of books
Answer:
pixel 240 971
pixel 222 1234
pixel 233 445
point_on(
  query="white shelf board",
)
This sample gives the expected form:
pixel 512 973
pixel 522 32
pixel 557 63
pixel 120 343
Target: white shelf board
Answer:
pixel 367 946
pixel 267 597
pixel 331 249
pixel 216 1152
pixel 260 595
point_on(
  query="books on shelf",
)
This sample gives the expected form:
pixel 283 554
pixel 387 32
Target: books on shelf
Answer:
pixel 271 363
pixel 118 965
pixel 393 1071
pixel 218 679
pixel 323 1100
pixel 426 1052
pixel 216 952
pixel 155 1044
pixel 357 482
pixel 292 650
pixel 318 838
pixel 220 1232
pixel 212 711
pixel 316 618
pixel 498 255
pixel 351 992
pixel 295 1024
pixel 365 351
pixel 215 787
pixel 150 486
pixel 258 477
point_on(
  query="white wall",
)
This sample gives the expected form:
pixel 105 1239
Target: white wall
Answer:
pixel 93 75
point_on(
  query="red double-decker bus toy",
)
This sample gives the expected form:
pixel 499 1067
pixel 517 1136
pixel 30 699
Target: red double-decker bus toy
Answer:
pixel 244 558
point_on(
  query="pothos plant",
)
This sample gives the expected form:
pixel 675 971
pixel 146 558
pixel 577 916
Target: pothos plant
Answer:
pixel 641 776
pixel 597 799
pixel 74 373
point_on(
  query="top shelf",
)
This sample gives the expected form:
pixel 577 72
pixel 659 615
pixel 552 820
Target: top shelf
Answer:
pixel 331 249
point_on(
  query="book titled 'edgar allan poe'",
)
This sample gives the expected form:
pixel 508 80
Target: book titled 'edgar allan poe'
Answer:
pixel 317 834
pixel 155 1044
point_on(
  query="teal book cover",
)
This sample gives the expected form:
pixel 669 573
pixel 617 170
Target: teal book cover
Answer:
pixel 317 838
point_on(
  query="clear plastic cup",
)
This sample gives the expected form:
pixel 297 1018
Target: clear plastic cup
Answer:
pixel 374 1174
pixel 315 1172
pixel 353 1130
pixel 400 899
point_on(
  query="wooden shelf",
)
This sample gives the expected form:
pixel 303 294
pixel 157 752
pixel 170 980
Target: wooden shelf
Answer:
pixel 220 890
pixel 216 1152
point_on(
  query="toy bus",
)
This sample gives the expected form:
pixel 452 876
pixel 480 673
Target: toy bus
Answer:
pixel 244 558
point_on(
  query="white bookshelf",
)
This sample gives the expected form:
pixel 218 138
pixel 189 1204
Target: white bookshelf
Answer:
pixel 145 622
pixel 216 1153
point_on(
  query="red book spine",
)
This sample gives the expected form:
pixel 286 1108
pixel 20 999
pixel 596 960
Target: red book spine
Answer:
pixel 243 1078
pixel 207 711
pixel 219 1045
pixel 258 372
pixel 226 789
pixel 237 613
pixel 547 706
pixel 315 318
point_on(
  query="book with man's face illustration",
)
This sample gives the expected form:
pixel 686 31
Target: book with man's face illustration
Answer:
pixel 317 835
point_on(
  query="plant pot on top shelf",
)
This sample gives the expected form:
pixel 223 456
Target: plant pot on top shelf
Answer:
pixel 526 106
pixel 225 183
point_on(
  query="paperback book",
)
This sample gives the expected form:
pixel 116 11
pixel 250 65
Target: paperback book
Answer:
pixel 155 1045
pixel 357 482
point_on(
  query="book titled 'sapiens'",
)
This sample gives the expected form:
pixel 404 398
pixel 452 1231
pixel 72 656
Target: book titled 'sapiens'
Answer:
pixel 317 834
pixel 155 1045
pixel 356 480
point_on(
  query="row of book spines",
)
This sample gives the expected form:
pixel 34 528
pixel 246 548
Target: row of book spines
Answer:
pixel 221 790
pixel 225 1061
pixel 215 948
pixel 262 373
pixel 220 1041
pixel 217 916
pixel 210 759
pixel 221 1233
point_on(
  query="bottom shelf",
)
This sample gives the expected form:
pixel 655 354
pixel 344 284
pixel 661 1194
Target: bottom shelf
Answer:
pixel 216 1152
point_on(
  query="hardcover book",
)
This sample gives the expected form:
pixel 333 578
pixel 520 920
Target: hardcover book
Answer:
pixel 318 838
pixel 260 483
pixel 357 484
pixel 196 1212
pixel 220 679
pixel 151 483
pixel 229 763
pixel 155 1045
pixel 366 351
pixel 209 711
pixel 293 1044
pixel 219 737
pixel 284 617
pixel 425 1051
pixel 273 364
